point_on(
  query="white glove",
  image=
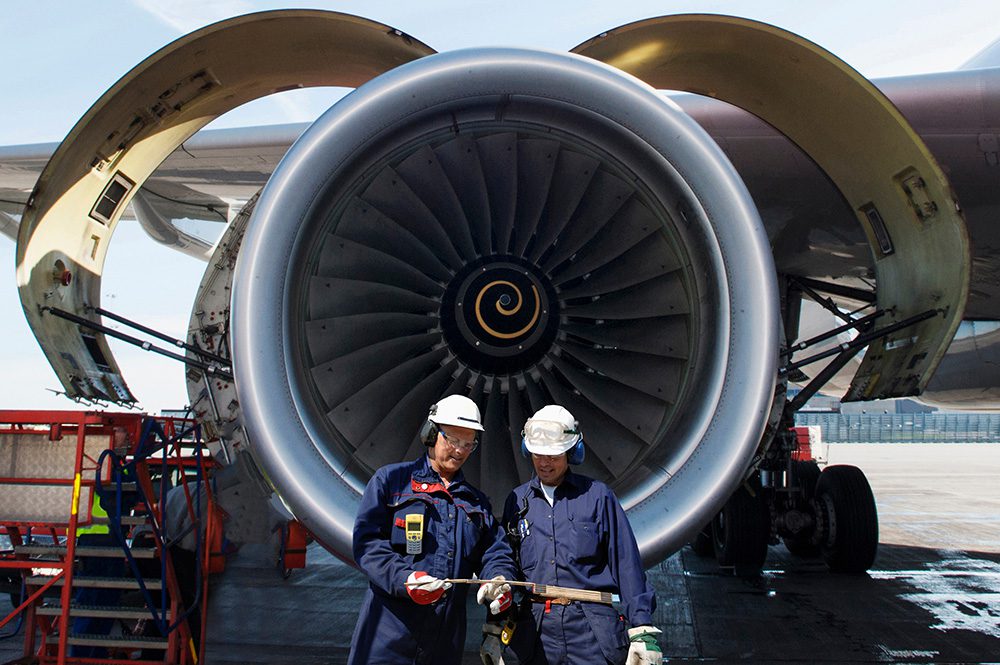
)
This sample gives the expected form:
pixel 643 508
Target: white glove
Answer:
pixel 491 651
pixel 424 589
pixel 497 593
pixel 643 648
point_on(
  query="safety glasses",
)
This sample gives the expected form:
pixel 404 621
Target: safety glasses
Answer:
pixel 549 432
pixel 458 444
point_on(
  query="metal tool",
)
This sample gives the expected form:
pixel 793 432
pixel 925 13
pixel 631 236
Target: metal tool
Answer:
pixel 546 590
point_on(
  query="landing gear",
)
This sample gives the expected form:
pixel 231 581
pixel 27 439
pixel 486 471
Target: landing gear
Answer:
pixel 830 514
pixel 847 521
pixel 801 543
pixel 741 532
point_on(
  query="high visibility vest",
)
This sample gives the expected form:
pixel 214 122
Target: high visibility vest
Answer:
pixel 96 510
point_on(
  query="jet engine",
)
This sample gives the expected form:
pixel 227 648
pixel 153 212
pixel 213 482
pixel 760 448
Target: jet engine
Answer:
pixel 523 228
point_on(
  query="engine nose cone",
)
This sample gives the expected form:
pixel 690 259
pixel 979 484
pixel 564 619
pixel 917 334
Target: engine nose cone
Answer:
pixel 500 314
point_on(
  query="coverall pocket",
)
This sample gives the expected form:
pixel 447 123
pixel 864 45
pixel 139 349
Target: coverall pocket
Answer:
pixel 397 537
pixel 586 541
pixel 472 521
pixel 530 556
pixel 609 628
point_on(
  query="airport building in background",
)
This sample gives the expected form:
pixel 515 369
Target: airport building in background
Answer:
pixel 896 421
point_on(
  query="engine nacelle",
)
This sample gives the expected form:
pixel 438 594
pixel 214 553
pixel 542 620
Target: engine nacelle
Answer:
pixel 524 228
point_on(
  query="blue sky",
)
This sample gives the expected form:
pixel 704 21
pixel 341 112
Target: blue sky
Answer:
pixel 61 56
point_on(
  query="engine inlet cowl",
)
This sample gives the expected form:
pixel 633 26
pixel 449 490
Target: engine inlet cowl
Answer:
pixel 523 228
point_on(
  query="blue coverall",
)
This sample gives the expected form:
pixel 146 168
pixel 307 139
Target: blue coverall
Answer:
pixel 460 537
pixel 583 541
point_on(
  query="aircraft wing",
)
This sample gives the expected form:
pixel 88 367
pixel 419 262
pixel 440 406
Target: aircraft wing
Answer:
pixel 206 179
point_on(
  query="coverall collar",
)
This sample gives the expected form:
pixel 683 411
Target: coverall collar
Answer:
pixel 425 473
pixel 570 478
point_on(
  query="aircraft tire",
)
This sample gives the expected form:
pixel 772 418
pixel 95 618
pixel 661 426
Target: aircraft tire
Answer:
pixel 803 545
pixel 850 520
pixel 741 532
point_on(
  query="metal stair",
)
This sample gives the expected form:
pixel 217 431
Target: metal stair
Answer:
pixel 60 551
pixel 97 611
pixel 119 642
pixel 96 582
pixel 52 504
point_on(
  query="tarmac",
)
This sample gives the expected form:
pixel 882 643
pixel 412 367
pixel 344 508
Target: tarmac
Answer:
pixel 933 595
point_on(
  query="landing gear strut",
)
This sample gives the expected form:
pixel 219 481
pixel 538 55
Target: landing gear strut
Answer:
pixel 799 541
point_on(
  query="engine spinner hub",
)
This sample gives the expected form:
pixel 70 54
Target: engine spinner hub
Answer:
pixel 499 314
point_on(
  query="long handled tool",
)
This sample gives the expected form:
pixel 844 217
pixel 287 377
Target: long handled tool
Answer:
pixel 544 590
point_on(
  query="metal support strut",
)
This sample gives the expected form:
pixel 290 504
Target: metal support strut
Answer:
pixel 216 365
pixel 844 353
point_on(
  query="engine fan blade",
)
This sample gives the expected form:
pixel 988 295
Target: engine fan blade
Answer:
pixel 364 224
pixel 497 465
pixel 605 195
pixel 341 377
pixel 460 160
pixel 334 296
pixel 390 194
pixel 666 336
pixel 536 162
pixel 358 416
pixel 649 259
pixel 517 415
pixel 603 461
pixel 393 421
pixel 628 227
pixel 663 296
pixel 635 410
pixel 498 156
pixel 341 257
pixel 425 176
pixel 338 336
pixel 572 177
pixel 656 376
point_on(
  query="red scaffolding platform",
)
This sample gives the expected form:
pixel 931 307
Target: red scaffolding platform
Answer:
pixel 51 464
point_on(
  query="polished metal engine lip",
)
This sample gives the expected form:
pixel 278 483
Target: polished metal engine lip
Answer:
pixel 723 432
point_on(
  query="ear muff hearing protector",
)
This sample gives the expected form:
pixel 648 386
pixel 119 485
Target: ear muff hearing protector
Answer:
pixel 574 455
pixel 429 430
pixel 429 433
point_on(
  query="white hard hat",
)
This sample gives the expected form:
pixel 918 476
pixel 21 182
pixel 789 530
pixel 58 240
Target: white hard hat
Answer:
pixel 456 410
pixel 551 431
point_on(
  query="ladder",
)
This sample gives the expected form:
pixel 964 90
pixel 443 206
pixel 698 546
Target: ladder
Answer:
pixel 81 503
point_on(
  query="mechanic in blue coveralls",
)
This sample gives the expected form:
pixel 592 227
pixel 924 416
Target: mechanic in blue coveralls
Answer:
pixel 569 530
pixel 419 523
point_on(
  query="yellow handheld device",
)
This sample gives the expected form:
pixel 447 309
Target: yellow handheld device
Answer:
pixel 507 634
pixel 414 534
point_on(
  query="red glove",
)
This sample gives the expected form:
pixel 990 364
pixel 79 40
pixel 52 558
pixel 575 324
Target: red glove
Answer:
pixel 425 589
pixel 496 594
